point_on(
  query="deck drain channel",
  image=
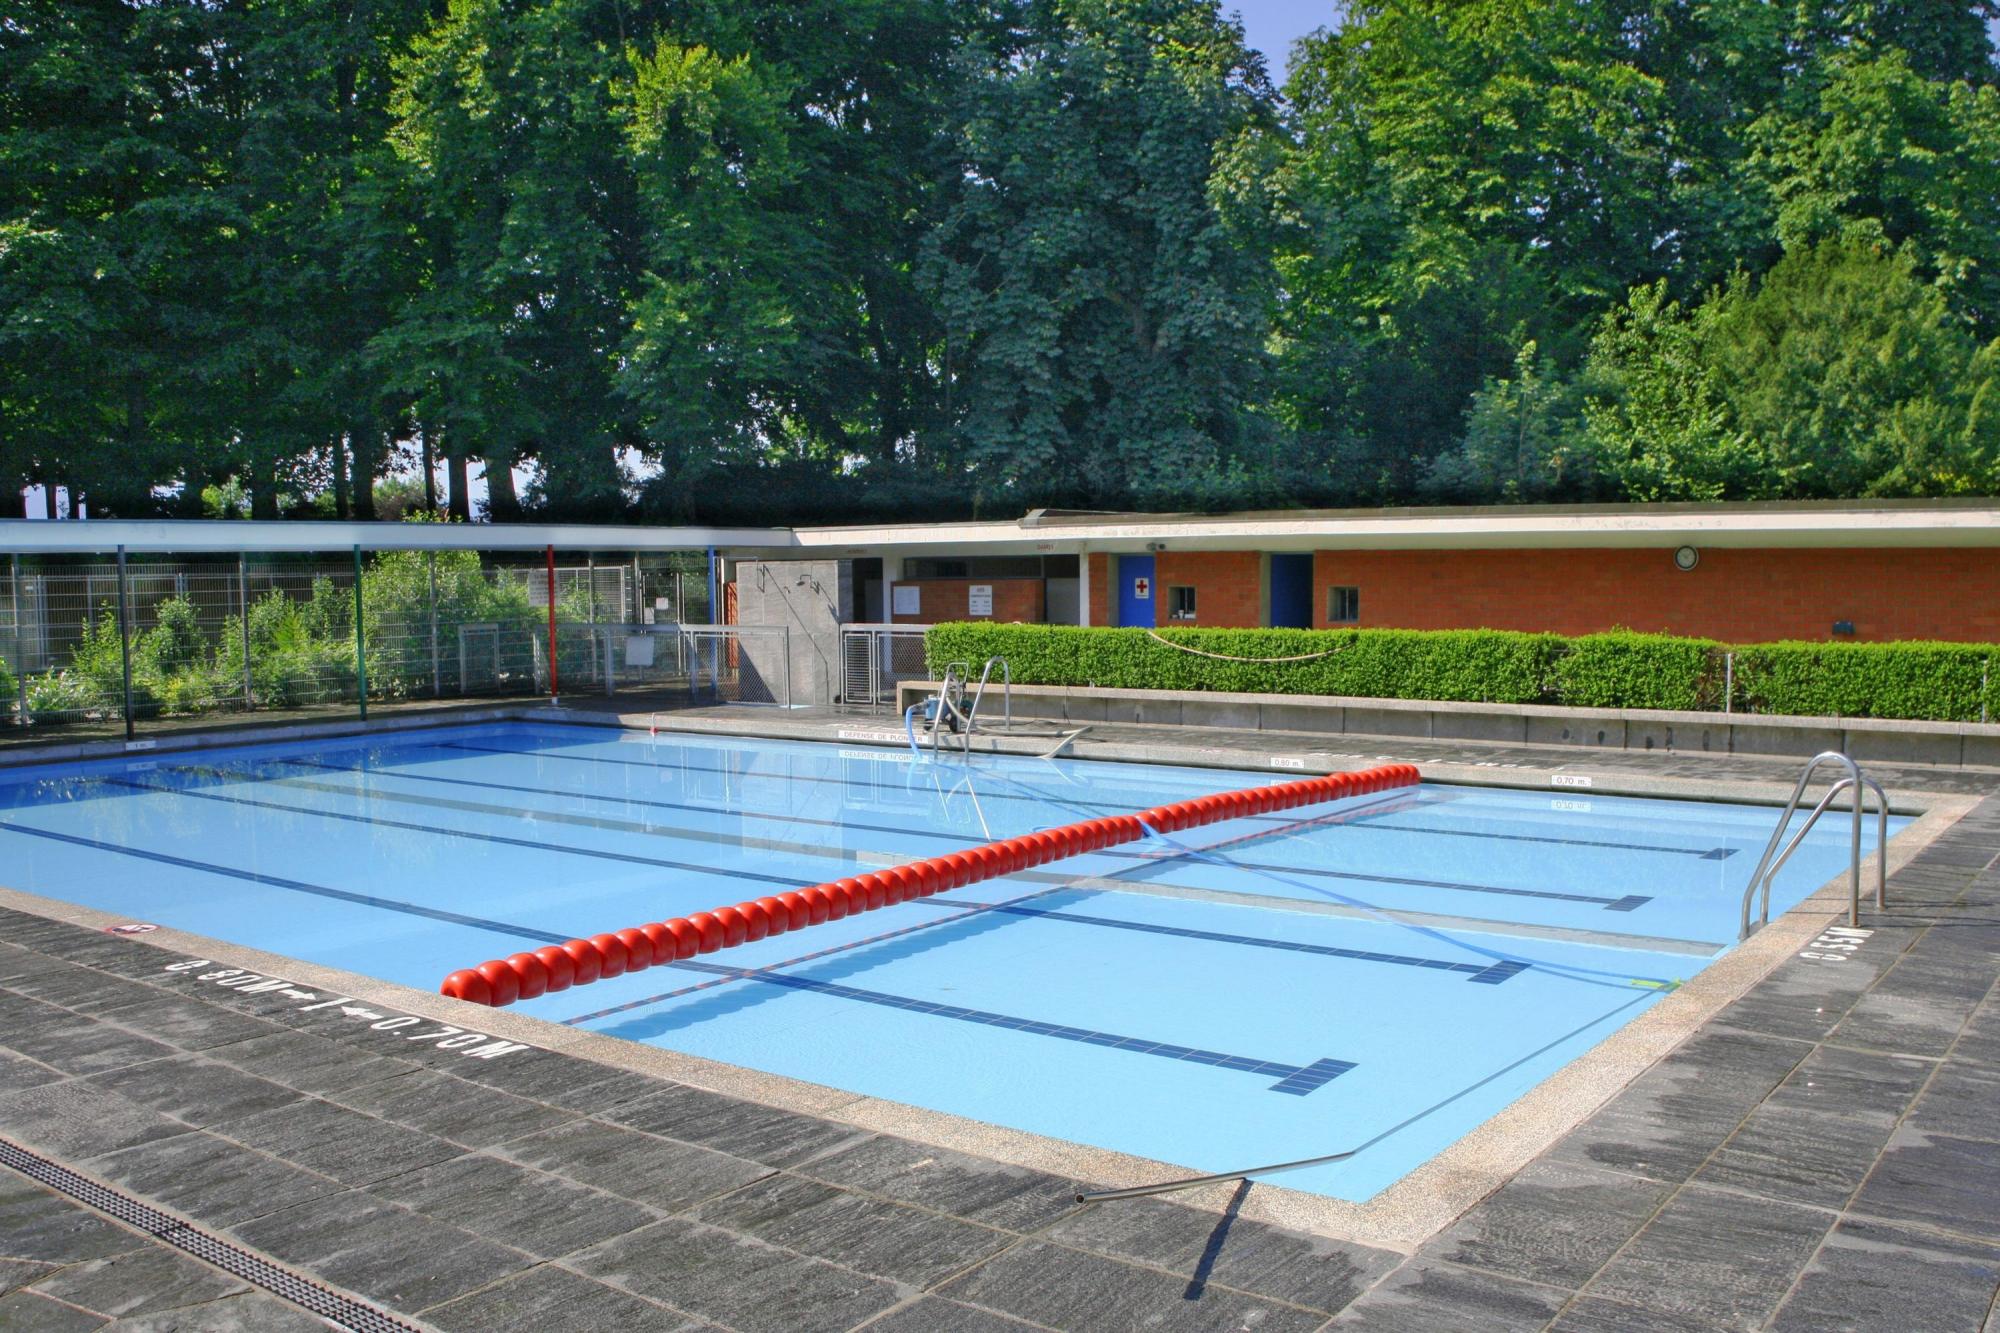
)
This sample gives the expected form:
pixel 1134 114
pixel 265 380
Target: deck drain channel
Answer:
pixel 330 1305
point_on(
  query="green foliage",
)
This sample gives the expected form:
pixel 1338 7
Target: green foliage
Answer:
pixel 1104 275
pixel 1521 441
pixel 396 594
pixel 1851 377
pixel 1929 681
pixel 1492 666
pixel 1656 420
pixel 301 653
pixel 801 259
pixel 1626 670
pixel 9 688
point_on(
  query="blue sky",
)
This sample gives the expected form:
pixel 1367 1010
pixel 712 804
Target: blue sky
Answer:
pixel 1273 25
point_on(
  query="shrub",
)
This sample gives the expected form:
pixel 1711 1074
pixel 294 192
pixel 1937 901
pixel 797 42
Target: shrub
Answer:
pixel 292 663
pixel 1626 670
pixel 9 688
pixel 1925 681
pixel 396 597
pixel 1930 681
pixel 55 695
pixel 1481 666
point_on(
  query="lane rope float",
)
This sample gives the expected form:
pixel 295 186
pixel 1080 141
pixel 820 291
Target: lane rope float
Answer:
pixel 580 961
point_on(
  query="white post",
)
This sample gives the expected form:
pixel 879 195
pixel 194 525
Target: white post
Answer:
pixel 1083 584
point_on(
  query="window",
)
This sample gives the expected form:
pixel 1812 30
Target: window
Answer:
pixel 1343 606
pixel 1180 602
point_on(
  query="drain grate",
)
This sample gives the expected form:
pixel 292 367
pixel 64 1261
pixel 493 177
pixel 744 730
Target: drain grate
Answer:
pixel 330 1305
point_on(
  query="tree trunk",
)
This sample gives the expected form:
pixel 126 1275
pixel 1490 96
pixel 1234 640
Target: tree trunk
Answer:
pixel 263 490
pixel 503 502
pixel 455 477
pixel 430 470
pixel 361 470
pixel 49 498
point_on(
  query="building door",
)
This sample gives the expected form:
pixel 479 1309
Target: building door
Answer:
pixel 1291 591
pixel 1136 595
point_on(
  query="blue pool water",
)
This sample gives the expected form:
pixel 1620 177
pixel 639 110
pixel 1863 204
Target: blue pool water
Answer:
pixel 1390 970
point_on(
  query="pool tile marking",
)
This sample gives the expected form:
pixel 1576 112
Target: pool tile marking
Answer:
pixel 1297 1080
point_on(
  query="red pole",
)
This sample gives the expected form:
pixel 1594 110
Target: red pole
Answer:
pixel 554 690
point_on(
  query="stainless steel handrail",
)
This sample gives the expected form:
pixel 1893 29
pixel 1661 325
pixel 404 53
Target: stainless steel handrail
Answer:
pixel 1006 689
pixel 1860 783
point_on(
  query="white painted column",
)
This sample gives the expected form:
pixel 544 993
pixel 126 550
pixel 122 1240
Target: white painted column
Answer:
pixel 1083 583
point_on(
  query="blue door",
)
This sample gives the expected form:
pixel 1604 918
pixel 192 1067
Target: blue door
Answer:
pixel 1292 591
pixel 1136 594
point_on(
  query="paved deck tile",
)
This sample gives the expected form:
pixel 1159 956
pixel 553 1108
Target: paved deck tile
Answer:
pixel 1824 1155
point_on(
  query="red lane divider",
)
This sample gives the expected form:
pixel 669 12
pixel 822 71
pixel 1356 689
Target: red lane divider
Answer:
pixel 578 962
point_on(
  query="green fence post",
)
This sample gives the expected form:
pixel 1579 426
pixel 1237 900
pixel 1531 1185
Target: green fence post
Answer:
pixel 360 649
pixel 20 637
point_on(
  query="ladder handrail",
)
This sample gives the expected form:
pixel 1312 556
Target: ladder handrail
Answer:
pixel 1006 684
pixel 1767 869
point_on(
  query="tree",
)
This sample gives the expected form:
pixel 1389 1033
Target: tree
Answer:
pixel 1103 278
pixel 1521 441
pixel 1853 377
pixel 1657 421
pixel 1888 157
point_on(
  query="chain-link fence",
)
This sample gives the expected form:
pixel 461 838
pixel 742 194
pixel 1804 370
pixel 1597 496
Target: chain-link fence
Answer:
pixel 875 658
pixel 96 646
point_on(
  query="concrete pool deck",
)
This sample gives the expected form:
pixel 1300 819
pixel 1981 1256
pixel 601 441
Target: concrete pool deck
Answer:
pixel 1819 1151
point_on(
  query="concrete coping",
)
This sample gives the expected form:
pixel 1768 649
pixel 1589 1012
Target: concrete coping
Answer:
pixel 912 690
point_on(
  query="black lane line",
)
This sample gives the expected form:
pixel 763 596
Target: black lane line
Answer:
pixel 293 885
pixel 1477 971
pixel 1293 1078
pixel 504 812
pixel 1298 1080
pixel 1120 808
pixel 1699 853
pixel 1624 904
pixel 1340 819
pixel 648 802
pixel 1614 903
pixel 1345 819
pixel 631 858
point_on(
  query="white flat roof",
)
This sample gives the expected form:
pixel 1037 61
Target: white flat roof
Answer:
pixel 1829 524
pixel 32 536
pixel 1885 523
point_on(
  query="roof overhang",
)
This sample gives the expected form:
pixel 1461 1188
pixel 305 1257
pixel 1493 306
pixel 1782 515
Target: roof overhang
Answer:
pixel 1521 527
pixel 34 536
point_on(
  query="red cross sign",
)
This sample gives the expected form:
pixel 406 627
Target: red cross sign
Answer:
pixel 1142 588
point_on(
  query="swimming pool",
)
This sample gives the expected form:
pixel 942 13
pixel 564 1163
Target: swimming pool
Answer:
pixel 1389 970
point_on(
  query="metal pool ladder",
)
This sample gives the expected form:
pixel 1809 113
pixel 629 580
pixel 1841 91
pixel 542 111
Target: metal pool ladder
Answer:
pixel 950 708
pixel 1774 859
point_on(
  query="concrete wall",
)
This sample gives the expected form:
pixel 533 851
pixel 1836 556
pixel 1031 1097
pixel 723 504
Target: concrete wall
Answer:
pixel 812 598
pixel 1870 740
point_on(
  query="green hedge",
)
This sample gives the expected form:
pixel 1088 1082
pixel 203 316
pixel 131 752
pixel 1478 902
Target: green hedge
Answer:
pixel 1484 666
pixel 1935 681
pixel 1930 681
pixel 1626 670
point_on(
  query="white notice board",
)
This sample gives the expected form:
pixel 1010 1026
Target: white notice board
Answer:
pixel 907 600
pixel 979 599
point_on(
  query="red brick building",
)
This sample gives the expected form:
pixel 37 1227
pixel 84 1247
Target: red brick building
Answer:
pixel 1742 572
